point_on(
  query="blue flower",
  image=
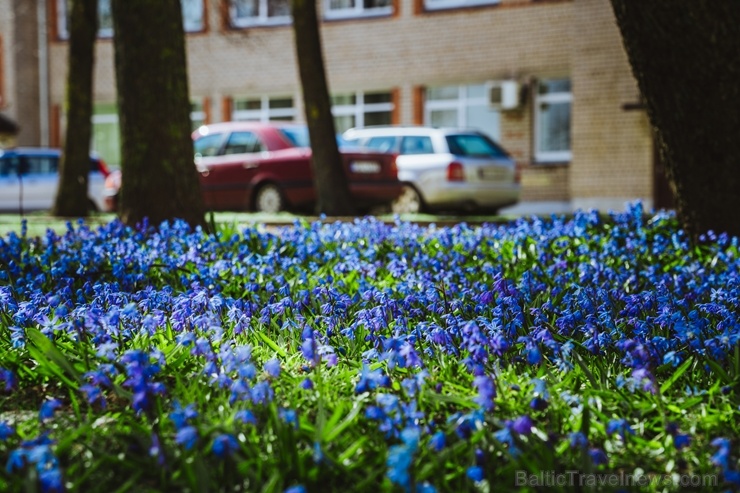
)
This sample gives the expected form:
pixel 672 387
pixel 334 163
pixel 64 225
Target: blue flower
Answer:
pixel 224 445
pixel 272 367
pixel 523 425
pixel 6 431
pixel 598 456
pixel 475 473
pixel 296 489
pixel 438 441
pixel 48 408
pixel 187 436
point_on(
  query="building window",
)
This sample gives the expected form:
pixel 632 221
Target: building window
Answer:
pixel 106 140
pixel 343 9
pixel 362 109
pixel 455 4
pixel 192 13
pixel 264 109
pixel 197 114
pixel 464 106
pixel 245 13
pixel 552 118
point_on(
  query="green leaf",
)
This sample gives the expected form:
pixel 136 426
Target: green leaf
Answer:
pixel 48 356
pixel 676 375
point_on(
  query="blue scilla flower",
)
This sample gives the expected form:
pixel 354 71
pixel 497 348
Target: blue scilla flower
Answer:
pixel 224 445
pixel 272 367
pixel 522 425
pixel 578 440
pixel 400 458
pixel 486 391
pixel 181 416
pixel 8 379
pixel 620 427
pixel 246 416
pixel 598 456
pixel 438 441
pixel 187 436
pixel 296 489
pixel 48 407
pixel 475 473
pixel 6 431
pixel 721 458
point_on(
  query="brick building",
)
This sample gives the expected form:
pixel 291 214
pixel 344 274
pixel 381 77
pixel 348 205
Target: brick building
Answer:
pixel 570 116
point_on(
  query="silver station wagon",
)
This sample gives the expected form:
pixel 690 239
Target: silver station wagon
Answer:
pixel 444 169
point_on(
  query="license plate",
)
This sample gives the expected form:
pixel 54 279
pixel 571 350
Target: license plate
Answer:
pixel 492 173
pixel 364 167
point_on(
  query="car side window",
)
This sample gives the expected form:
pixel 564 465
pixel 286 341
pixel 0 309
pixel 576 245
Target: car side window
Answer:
pixel 208 145
pixel 381 144
pixel 242 143
pixel 8 166
pixel 41 165
pixel 417 145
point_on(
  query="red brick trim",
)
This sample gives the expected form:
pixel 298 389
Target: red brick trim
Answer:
pixel 227 106
pixel 55 123
pixel 418 101
pixel 206 110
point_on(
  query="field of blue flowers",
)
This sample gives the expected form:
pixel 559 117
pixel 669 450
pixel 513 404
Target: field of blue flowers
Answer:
pixel 369 357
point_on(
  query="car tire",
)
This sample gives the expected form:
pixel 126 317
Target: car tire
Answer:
pixel 269 199
pixel 409 202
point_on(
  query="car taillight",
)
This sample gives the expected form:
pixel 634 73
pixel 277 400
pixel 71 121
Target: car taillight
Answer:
pixel 394 167
pixel 103 168
pixel 113 182
pixel 455 172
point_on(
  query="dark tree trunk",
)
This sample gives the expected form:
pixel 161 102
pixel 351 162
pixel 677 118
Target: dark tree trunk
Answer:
pixel 685 55
pixel 72 199
pixel 159 179
pixel 329 176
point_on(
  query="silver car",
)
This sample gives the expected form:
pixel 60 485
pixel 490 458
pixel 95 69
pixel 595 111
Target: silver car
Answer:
pixel 29 178
pixel 444 169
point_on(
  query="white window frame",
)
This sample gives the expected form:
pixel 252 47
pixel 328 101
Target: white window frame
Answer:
pixel 456 4
pixel 63 30
pixel 262 19
pixel 550 98
pixel 197 114
pixel 358 10
pixel 460 105
pixel 264 113
pixel 360 108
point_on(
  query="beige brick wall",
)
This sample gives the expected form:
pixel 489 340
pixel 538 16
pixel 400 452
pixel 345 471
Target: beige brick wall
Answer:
pixel 520 39
pixel 612 149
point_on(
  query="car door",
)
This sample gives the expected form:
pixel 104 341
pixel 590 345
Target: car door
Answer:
pixel 9 183
pixel 207 150
pixel 40 179
pixel 227 175
pixel 240 162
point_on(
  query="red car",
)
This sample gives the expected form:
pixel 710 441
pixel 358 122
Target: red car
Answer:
pixel 266 167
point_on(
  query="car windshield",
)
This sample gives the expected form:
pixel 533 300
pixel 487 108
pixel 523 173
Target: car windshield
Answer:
pixel 474 145
pixel 296 135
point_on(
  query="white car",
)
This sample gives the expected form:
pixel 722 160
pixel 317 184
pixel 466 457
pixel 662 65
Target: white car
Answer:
pixel 444 169
pixel 29 178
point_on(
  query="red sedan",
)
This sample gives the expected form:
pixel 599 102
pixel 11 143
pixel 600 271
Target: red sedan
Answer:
pixel 266 167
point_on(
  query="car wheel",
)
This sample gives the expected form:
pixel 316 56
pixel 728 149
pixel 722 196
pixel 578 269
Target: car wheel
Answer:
pixel 409 202
pixel 269 199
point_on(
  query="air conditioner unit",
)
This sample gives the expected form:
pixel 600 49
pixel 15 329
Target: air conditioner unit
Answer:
pixel 503 94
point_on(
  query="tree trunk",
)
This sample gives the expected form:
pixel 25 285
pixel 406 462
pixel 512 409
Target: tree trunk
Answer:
pixel 159 179
pixel 72 199
pixel 685 57
pixel 329 176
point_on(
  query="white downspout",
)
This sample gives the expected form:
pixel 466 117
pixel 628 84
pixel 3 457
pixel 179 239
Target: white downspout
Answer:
pixel 43 74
